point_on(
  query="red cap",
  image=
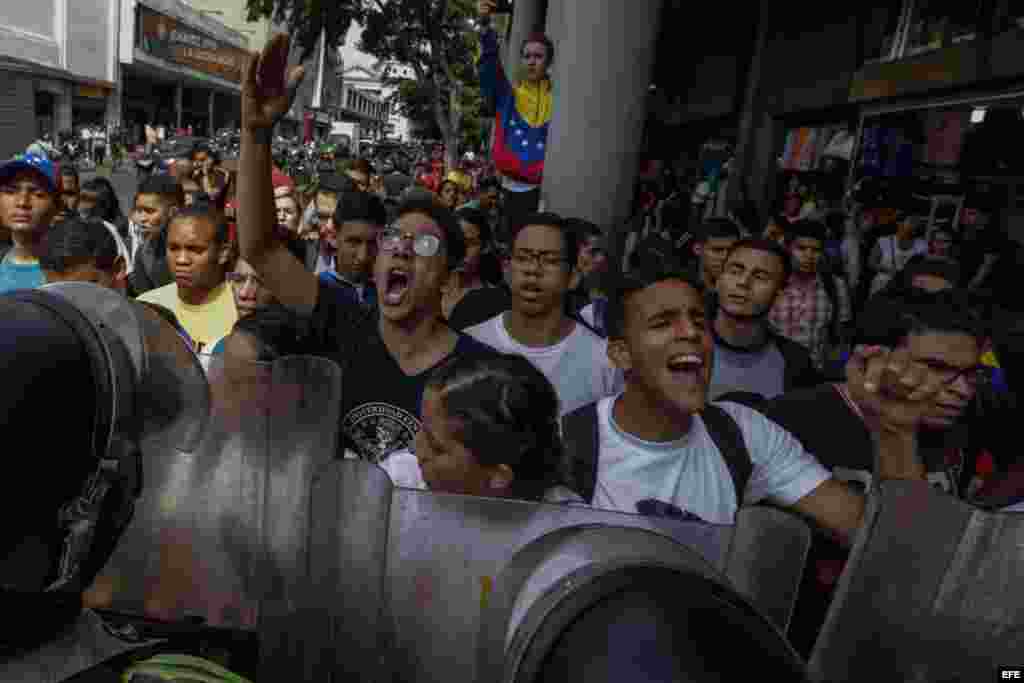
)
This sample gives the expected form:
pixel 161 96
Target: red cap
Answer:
pixel 279 179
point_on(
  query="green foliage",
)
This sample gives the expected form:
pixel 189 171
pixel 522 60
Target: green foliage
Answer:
pixel 304 19
pixel 436 38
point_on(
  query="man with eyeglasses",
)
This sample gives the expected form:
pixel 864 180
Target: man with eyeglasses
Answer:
pixel 386 355
pixel 545 249
pixel 945 339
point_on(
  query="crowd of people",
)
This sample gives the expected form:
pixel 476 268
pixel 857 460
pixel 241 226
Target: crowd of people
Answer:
pixel 717 365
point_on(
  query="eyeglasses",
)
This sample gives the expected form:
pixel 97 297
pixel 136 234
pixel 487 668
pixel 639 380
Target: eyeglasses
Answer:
pixel 977 375
pixel 424 244
pixel 241 279
pixel 544 259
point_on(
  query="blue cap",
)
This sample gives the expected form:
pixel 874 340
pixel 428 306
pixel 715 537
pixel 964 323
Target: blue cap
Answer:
pixel 31 162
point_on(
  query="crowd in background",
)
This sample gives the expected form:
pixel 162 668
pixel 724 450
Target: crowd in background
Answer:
pixel 684 368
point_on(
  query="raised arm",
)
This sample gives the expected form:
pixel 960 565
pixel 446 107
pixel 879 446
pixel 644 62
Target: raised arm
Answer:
pixel 493 82
pixel 893 394
pixel 266 97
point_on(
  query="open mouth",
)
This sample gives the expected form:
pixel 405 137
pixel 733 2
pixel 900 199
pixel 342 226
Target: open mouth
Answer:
pixel 687 366
pixel 396 286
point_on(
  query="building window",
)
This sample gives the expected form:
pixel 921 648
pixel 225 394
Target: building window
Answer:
pixel 934 24
pixel 914 27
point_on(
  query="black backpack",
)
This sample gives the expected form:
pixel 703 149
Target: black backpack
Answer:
pixel 582 443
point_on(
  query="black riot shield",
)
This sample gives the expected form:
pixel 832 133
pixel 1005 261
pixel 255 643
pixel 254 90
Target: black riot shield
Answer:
pixel 220 533
pixel 416 586
pixel 931 592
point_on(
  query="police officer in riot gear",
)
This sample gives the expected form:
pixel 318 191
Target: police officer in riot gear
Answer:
pixel 82 366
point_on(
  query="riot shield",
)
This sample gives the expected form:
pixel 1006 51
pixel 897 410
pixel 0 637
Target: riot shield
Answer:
pixel 219 534
pixel 931 592
pixel 419 586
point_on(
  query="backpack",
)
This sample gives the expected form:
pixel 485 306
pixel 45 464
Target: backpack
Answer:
pixel 582 443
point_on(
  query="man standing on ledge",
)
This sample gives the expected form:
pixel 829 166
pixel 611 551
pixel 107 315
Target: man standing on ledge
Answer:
pixel 522 117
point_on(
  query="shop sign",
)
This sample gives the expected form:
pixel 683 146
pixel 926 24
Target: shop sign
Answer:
pixel 91 92
pixel 169 39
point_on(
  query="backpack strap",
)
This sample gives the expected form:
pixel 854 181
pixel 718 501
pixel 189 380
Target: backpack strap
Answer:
pixel 600 309
pixel 828 280
pixel 728 438
pixel 581 439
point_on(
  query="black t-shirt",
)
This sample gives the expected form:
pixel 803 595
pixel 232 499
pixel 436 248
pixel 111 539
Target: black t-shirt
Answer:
pixel 479 306
pixel 380 409
pixel 380 404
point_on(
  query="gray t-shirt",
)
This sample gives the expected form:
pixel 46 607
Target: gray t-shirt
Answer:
pixel 761 371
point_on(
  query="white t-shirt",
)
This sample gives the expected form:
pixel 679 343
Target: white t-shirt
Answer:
pixel 692 475
pixel 404 470
pixel 577 366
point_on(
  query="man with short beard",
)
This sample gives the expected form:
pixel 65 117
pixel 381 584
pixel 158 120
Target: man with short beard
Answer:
pixel 749 356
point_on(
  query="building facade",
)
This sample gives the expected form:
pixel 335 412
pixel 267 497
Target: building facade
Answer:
pixel 372 81
pixel 180 69
pixel 318 101
pixel 58 68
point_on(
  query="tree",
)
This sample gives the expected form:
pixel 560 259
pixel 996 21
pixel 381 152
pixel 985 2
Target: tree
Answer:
pixel 435 39
pixel 432 37
pixel 306 19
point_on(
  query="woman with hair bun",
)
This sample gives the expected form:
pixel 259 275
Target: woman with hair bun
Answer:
pixel 490 428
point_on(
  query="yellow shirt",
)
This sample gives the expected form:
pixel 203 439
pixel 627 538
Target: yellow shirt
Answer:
pixel 461 179
pixel 206 323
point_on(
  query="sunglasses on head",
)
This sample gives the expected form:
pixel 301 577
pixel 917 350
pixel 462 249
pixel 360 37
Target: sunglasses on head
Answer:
pixel 424 244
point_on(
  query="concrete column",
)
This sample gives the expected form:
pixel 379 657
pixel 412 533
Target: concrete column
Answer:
pixel 179 95
pixel 62 109
pixel 603 58
pixel 213 124
pixel 750 116
pixel 526 19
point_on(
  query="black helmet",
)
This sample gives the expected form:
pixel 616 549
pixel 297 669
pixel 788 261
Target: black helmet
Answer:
pixel 86 371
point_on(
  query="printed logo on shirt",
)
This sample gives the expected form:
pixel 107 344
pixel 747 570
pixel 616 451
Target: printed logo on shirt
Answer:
pixel 651 507
pixel 380 429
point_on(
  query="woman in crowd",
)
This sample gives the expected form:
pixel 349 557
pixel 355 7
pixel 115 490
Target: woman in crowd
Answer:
pixel 99 200
pixel 448 195
pixel 478 266
pixel 490 428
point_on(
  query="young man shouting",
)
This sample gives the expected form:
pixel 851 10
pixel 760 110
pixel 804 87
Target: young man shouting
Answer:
pixel 662 449
pixel 385 356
